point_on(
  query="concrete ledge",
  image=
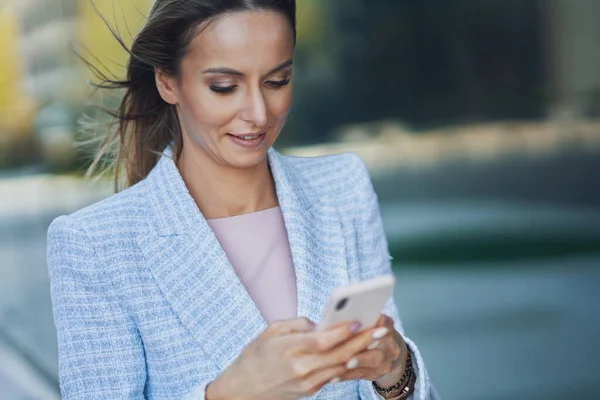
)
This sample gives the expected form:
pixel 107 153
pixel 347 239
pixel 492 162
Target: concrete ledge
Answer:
pixel 31 196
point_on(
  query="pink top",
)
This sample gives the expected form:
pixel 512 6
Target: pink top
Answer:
pixel 257 246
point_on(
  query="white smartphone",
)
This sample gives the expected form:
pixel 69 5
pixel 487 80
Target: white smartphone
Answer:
pixel 362 301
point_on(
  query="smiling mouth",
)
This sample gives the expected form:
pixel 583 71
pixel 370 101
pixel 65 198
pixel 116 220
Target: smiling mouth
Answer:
pixel 247 136
pixel 249 140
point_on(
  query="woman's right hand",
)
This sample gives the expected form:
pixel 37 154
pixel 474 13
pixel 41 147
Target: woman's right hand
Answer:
pixel 288 361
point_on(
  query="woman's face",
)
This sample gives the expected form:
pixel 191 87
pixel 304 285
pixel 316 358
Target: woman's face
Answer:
pixel 235 87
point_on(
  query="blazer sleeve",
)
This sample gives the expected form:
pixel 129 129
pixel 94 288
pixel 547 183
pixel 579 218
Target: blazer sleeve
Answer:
pixel 100 351
pixel 375 261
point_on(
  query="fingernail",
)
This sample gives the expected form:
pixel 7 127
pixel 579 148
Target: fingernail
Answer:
pixel 355 327
pixel 373 345
pixel 379 333
pixel 352 364
pixel 335 380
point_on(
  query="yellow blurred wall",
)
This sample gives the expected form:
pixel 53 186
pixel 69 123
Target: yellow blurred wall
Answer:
pixel 15 108
pixel 125 16
pixel 311 21
pixel 129 16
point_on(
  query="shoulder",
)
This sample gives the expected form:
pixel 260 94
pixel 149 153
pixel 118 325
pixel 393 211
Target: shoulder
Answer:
pixel 113 216
pixel 338 174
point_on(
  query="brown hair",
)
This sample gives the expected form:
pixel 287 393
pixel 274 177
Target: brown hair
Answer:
pixel 144 124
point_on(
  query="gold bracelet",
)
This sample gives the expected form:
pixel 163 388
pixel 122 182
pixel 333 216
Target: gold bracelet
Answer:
pixel 408 389
pixel 404 387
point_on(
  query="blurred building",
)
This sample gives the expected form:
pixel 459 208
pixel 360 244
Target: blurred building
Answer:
pixel 572 31
pixel 53 30
pixel 427 63
pixel 48 28
pixel 42 89
pixel 435 62
pixel 431 63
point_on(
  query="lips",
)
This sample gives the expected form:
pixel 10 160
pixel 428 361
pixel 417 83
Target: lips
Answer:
pixel 248 140
pixel 247 136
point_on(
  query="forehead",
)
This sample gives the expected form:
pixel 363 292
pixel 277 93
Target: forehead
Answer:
pixel 247 41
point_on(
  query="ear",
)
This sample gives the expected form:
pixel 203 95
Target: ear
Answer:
pixel 166 85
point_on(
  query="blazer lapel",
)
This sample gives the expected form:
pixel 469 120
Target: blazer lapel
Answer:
pixel 315 235
pixel 198 281
pixel 193 272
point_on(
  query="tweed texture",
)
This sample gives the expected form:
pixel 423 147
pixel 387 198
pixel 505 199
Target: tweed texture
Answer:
pixel 147 306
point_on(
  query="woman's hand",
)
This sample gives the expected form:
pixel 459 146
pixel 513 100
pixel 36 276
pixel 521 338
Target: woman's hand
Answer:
pixel 290 360
pixel 384 362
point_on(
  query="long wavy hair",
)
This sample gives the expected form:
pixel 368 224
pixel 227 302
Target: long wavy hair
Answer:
pixel 144 124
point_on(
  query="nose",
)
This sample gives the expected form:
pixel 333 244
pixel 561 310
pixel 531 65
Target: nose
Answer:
pixel 255 109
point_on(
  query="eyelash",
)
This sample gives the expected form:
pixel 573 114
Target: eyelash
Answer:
pixel 229 89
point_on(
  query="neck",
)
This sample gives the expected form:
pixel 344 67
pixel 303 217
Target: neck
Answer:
pixel 221 191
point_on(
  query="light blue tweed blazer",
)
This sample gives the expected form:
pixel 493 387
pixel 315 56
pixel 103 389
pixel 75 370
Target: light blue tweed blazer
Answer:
pixel 147 305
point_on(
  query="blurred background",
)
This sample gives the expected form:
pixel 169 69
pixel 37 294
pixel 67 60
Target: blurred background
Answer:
pixel 478 119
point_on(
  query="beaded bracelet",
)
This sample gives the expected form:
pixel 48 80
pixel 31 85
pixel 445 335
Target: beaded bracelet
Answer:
pixel 403 388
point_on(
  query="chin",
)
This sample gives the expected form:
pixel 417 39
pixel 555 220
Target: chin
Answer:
pixel 247 159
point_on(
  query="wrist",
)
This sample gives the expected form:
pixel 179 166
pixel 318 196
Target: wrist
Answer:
pixel 390 379
pixel 402 389
pixel 398 368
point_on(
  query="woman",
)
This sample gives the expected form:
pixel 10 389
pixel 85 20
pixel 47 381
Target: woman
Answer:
pixel 201 279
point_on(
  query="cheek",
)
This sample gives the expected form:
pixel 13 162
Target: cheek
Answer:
pixel 280 103
pixel 203 113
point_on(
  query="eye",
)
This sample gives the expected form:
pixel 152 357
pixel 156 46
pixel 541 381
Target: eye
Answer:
pixel 276 84
pixel 223 89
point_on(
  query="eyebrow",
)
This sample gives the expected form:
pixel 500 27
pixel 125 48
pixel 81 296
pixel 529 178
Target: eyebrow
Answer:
pixel 229 71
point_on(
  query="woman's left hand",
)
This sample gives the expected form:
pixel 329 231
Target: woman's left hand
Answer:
pixel 385 360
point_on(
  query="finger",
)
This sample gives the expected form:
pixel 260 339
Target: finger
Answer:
pixel 343 353
pixel 369 364
pixel 386 321
pixel 280 328
pixel 360 374
pixel 379 353
pixel 323 341
pixel 315 381
pixel 376 344
pixel 390 347
pixel 318 351
pixel 370 359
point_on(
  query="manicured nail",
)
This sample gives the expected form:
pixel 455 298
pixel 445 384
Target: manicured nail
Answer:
pixel 335 380
pixel 352 364
pixel 373 345
pixel 379 333
pixel 355 327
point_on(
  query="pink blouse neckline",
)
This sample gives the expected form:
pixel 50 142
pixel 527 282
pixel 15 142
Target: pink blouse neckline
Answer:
pixel 258 249
pixel 254 213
